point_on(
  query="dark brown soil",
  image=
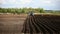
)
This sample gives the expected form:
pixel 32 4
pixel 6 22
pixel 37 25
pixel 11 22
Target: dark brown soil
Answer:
pixel 42 24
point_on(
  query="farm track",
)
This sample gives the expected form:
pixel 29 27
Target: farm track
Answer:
pixel 39 24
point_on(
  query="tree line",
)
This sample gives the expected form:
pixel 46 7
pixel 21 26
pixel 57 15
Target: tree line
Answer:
pixel 26 10
pixel 21 10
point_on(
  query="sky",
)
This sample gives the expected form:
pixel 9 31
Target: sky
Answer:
pixel 46 4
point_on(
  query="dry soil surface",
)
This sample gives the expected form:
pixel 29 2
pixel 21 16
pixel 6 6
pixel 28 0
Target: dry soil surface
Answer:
pixel 11 24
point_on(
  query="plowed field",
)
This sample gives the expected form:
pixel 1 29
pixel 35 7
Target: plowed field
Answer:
pixel 42 24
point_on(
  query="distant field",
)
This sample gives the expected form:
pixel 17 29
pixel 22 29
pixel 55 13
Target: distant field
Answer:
pixel 46 14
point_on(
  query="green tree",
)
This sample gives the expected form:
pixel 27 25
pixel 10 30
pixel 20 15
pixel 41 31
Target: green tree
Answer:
pixel 41 10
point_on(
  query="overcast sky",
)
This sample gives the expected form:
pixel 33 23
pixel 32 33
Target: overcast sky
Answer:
pixel 46 4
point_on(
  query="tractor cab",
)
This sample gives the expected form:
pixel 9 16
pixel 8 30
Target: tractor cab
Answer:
pixel 31 13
